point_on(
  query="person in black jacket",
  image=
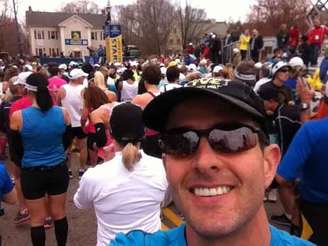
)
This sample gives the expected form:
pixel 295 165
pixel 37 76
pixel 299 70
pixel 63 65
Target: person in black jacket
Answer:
pixel 305 50
pixel 283 37
pixel 285 119
pixel 256 44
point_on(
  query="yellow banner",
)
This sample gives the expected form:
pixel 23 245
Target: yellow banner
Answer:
pixel 114 49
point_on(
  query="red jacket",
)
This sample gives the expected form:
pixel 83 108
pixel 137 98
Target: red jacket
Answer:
pixel 293 34
pixel 206 53
pixel 316 35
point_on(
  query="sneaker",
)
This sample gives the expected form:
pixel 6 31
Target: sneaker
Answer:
pixel 70 173
pixel 48 223
pixel 281 219
pixel 22 216
pixel 81 172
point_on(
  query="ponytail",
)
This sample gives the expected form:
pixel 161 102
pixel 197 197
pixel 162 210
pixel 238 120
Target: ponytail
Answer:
pixel 37 83
pixel 43 98
pixel 130 156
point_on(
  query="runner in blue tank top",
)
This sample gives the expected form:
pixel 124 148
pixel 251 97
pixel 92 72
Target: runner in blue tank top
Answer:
pixel 40 135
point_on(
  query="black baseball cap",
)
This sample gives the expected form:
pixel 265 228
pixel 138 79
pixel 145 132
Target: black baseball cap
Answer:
pixel 234 92
pixel 268 91
pixel 126 123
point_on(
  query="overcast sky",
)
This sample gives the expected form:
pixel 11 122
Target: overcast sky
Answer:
pixel 221 10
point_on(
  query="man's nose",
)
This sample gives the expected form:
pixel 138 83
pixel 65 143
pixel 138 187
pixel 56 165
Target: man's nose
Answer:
pixel 206 159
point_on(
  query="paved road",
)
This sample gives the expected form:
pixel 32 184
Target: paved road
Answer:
pixel 82 224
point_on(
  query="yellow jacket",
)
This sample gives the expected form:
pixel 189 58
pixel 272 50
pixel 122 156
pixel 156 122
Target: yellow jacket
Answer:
pixel 314 80
pixel 244 42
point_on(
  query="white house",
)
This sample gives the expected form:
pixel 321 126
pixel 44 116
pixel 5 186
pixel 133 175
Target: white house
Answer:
pixel 57 33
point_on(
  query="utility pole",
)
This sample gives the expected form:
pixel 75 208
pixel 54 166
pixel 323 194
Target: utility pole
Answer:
pixel 109 14
pixel 19 44
pixel 106 29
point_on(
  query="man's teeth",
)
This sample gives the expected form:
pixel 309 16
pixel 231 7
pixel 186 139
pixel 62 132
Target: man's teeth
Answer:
pixel 220 190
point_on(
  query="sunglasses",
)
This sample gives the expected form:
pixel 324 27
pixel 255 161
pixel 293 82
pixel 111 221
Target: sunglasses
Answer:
pixel 223 138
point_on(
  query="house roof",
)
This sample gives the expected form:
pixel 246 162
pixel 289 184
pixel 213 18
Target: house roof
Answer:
pixel 52 19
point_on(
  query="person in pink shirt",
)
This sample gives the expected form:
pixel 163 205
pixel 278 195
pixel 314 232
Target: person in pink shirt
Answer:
pixel 55 81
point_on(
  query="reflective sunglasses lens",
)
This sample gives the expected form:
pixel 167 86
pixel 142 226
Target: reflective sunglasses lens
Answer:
pixel 232 141
pixel 181 144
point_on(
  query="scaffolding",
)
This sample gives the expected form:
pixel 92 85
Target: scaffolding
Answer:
pixel 318 7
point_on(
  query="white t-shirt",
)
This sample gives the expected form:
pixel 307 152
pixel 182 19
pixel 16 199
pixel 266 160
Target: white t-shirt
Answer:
pixel 129 91
pixel 123 200
pixel 168 86
pixel 73 103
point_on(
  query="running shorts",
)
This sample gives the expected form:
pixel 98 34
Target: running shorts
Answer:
pixel 38 181
pixel 78 132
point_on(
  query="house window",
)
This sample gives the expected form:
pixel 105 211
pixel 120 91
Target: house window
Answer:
pixel 53 52
pixel 53 35
pixel 94 35
pixel 49 51
pixel 57 52
pixel 42 34
pixel 48 34
pixel 57 35
pixel 39 35
pixel 35 37
pixel 40 52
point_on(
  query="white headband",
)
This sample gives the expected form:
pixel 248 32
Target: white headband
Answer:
pixel 31 87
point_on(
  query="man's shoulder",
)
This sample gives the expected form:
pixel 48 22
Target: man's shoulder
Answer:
pixel 161 238
pixel 282 238
pixel 314 127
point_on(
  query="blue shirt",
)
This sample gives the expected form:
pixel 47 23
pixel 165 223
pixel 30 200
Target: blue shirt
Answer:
pixel 306 158
pixel 291 83
pixel 176 237
pixel 42 135
pixel 6 185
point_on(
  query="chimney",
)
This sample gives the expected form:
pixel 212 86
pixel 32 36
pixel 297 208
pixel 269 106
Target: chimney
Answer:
pixel 29 9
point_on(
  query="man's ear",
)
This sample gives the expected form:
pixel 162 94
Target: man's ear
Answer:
pixel 271 156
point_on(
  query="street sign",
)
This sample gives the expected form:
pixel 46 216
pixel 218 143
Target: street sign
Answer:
pixel 76 42
pixel 114 44
pixel 112 31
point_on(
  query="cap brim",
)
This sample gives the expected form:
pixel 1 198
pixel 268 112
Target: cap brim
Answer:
pixel 156 113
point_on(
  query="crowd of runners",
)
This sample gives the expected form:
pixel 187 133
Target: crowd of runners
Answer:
pixel 227 134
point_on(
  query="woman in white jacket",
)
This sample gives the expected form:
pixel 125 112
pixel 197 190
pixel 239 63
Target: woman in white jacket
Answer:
pixel 126 192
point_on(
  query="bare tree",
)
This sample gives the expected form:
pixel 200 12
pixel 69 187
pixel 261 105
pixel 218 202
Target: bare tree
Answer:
pixel 4 9
pixel 82 7
pixel 126 16
pixel 268 15
pixel 147 23
pixel 155 21
pixel 190 23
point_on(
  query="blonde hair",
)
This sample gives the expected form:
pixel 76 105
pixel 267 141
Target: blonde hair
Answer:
pixel 99 80
pixel 130 156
